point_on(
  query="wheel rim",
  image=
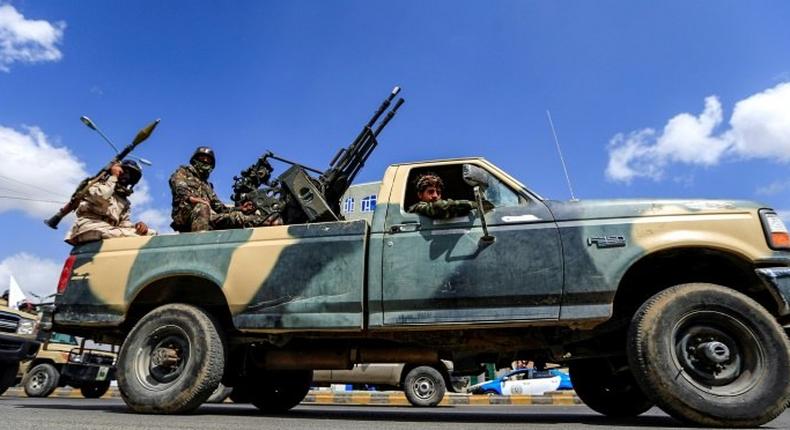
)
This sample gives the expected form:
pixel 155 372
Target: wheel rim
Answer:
pixel 39 380
pixel 424 387
pixel 163 358
pixel 717 353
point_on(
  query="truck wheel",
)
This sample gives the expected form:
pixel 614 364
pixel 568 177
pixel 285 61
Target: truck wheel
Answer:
pixel 608 388
pixel 94 390
pixel 219 395
pixel 41 380
pixel 278 391
pixel 424 386
pixel 171 361
pixel 7 375
pixel 711 356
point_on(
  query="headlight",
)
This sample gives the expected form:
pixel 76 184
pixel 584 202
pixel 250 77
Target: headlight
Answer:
pixel 75 358
pixel 26 327
pixel 775 230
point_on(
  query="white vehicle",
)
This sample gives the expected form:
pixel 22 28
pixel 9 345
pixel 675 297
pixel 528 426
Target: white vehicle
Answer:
pixel 520 382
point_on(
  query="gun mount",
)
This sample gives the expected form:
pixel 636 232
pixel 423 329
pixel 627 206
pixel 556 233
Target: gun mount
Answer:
pixel 298 197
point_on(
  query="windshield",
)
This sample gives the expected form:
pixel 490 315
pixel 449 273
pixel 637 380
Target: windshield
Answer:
pixel 65 339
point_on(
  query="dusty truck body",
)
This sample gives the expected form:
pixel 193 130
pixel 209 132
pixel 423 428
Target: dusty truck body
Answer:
pixel 668 302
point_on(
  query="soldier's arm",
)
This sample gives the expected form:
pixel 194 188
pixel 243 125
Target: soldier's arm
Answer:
pixel 216 203
pixel 100 192
pixel 443 209
pixel 180 187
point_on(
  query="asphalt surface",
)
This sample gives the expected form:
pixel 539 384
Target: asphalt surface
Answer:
pixel 82 414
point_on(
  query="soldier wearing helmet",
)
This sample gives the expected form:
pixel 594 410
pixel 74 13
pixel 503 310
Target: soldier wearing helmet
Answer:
pixel 429 193
pixel 105 211
pixel 196 206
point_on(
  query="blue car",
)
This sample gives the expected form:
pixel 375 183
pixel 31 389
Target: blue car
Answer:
pixel 525 381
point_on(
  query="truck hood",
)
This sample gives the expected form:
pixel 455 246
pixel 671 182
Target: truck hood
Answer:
pixel 598 209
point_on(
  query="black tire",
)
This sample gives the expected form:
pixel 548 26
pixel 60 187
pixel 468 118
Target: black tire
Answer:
pixel 275 392
pixel 608 387
pixel 711 356
pixel 41 380
pixel 424 386
pixel 94 390
pixel 171 361
pixel 8 373
pixel 490 392
pixel 219 395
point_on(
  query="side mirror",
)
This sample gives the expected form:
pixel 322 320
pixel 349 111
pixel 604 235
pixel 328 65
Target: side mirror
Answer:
pixel 475 176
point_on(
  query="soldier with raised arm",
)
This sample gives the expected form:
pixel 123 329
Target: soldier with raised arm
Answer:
pixel 196 206
pixel 105 211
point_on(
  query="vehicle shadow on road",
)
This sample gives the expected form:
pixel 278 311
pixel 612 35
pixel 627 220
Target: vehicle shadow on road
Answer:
pixel 386 414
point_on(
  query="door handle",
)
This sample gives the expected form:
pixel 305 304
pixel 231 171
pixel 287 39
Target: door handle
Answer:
pixel 405 227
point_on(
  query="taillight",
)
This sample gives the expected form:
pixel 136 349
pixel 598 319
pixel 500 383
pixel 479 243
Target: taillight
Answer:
pixel 775 230
pixel 65 274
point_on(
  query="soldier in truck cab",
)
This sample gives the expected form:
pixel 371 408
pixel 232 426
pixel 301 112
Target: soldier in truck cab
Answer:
pixel 429 188
pixel 196 206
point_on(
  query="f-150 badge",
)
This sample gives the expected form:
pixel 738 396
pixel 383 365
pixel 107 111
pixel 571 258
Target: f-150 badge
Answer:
pixel 606 241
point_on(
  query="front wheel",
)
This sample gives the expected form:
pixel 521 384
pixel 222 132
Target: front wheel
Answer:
pixel 41 380
pixel 94 390
pixel 7 375
pixel 608 387
pixel 172 360
pixel 711 356
pixel 424 386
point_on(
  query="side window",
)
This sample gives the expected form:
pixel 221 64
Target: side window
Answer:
pixel 500 194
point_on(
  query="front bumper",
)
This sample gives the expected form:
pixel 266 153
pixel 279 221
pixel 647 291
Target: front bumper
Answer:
pixel 15 348
pixel 777 279
pixel 82 373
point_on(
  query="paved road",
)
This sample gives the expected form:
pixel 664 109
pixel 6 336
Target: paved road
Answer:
pixel 56 414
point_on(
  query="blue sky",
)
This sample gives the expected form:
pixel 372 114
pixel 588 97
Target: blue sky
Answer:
pixel 301 77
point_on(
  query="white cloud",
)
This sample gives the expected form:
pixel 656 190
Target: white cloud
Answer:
pixel 33 274
pixel 26 40
pixel 759 128
pixel 32 168
pixel 774 188
pixel 158 219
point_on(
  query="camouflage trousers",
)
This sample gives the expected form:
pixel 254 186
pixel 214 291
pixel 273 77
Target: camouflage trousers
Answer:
pixel 202 218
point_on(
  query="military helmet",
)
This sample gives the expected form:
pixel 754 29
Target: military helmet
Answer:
pixel 131 173
pixel 205 150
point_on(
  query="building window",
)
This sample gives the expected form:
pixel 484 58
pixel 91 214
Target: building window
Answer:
pixel 369 203
pixel 348 205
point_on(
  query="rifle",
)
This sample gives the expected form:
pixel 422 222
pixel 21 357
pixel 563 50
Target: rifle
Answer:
pixel 295 195
pixel 82 188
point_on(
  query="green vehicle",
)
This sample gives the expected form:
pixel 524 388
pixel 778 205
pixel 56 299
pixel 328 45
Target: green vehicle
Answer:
pixel 18 331
pixel 674 303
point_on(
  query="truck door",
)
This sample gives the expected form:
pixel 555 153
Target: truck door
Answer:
pixel 440 271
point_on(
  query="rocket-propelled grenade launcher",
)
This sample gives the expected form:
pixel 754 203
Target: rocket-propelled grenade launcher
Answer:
pixel 82 188
pixel 298 197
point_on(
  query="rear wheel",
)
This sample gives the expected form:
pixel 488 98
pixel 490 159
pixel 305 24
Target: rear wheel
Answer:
pixel 171 361
pixel 94 390
pixel 711 356
pixel 608 387
pixel 424 386
pixel 277 391
pixel 41 380
pixel 7 375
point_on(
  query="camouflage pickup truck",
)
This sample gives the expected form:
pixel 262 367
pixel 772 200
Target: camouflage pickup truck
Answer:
pixel 674 303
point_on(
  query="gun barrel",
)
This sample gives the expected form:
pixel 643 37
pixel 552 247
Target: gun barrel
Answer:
pixel 389 116
pixel 384 105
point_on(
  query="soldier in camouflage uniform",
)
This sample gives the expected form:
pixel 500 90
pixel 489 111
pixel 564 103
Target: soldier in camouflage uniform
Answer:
pixel 429 192
pixel 105 211
pixel 196 206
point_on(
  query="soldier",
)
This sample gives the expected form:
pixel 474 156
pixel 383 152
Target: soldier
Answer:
pixel 196 206
pixel 105 211
pixel 429 192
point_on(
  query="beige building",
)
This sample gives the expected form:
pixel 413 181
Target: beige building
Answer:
pixel 359 201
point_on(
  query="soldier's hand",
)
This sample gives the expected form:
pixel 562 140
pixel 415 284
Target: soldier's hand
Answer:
pixel 116 170
pixel 247 207
pixel 196 200
pixel 141 228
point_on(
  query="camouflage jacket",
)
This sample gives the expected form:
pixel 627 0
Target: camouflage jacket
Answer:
pixel 185 183
pixel 101 208
pixel 443 209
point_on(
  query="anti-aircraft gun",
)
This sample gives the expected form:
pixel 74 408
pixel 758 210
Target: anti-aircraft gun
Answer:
pixel 298 197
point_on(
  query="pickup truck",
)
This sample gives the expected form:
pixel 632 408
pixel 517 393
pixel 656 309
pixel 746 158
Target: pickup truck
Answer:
pixel 18 342
pixel 674 303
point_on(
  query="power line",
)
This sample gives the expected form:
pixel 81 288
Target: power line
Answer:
pixel 30 199
pixel 31 186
